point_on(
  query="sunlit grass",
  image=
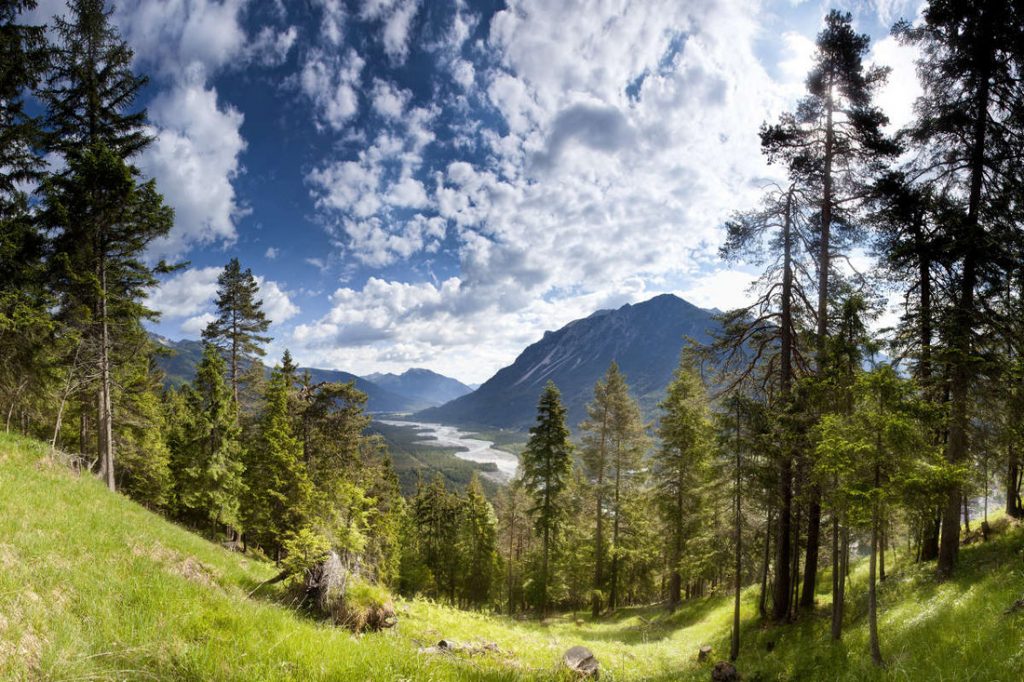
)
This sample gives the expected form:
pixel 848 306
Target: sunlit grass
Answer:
pixel 93 586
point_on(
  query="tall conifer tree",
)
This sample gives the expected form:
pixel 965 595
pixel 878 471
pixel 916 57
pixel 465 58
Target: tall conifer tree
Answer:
pixel 239 330
pixel 546 466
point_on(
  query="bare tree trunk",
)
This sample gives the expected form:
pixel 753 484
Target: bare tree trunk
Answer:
pixel 784 530
pixel 734 652
pixel 762 602
pixel 106 427
pixel 876 652
pixel 837 581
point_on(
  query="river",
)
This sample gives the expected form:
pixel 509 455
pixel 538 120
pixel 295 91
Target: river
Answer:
pixel 470 449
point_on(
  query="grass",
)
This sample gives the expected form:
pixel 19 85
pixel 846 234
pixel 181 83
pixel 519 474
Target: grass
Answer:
pixel 94 587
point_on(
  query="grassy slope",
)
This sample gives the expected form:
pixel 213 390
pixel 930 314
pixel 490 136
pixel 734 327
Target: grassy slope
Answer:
pixel 93 586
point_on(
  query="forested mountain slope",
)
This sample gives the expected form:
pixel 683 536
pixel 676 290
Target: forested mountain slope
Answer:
pixel 95 586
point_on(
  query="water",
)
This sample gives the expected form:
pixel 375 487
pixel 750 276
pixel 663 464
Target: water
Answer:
pixel 470 449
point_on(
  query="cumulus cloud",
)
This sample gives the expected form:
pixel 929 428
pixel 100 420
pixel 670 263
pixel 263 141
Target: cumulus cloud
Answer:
pixel 331 81
pixel 271 253
pixel 195 157
pixel 597 152
pixel 172 35
pixel 396 17
pixel 186 293
pixel 270 47
pixel 277 303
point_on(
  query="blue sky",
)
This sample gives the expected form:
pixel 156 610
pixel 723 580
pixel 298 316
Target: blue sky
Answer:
pixel 434 184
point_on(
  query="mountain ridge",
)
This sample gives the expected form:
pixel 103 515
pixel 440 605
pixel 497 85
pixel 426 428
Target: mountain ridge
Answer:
pixel 644 338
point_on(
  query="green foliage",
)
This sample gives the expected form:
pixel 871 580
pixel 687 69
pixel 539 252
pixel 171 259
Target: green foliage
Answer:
pixel 239 330
pixel 207 456
pixel 546 464
pixel 278 489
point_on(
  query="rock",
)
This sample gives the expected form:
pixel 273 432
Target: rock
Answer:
pixel 724 671
pixel 704 652
pixel 581 661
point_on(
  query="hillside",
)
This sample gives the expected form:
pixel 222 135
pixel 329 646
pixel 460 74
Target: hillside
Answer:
pixel 645 339
pixel 95 587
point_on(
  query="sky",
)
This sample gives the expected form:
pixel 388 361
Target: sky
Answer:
pixel 435 183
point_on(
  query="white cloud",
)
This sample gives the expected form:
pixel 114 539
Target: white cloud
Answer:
pixel 194 326
pixel 388 100
pixel 172 35
pixel 332 23
pixel 277 303
pixel 397 17
pixel 186 293
pixel 194 158
pixel 901 90
pixel 271 253
pixel 271 47
pixel 331 82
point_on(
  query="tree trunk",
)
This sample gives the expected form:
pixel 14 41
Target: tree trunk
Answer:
pixel 824 265
pixel 762 601
pixel 963 315
pixel 613 578
pixel 106 418
pixel 784 529
pixel 1013 476
pixel 881 551
pixel 876 652
pixel 837 581
pixel 734 651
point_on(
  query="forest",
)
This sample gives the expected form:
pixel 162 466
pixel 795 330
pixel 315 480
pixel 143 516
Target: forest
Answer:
pixel 804 437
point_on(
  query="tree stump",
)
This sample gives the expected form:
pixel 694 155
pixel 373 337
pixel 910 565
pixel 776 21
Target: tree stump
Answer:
pixel 581 661
pixel 703 653
pixel 724 671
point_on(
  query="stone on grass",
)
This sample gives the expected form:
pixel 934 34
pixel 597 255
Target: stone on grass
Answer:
pixel 581 661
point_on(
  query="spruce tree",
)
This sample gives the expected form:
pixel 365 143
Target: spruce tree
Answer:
pixel 278 490
pixel 679 464
pixel 546 465
pixel 102 217
pixel 206 451
pixel 478 545
pixel 91 88
pixel 25 327
pixel 240 326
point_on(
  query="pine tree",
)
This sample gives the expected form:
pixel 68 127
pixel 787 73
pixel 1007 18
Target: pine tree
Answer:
pixel 240 325
pixel 103 217
pixel 679 464
pixel 91 88
pixel 478 545
pixel 103 221
pixel 834 143
pixel 873 450
pixel 546 465
pixel 206 451
pixel 25 326
pixel 969 123
pixel 278 495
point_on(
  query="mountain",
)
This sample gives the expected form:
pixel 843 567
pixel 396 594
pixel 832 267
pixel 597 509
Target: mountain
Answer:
pixel 644 338
pixel 378 398
pixel 426 387
pixel 407 392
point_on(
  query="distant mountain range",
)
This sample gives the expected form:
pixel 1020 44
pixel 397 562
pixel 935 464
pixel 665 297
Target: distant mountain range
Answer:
pixel 644 338
pixel 414 389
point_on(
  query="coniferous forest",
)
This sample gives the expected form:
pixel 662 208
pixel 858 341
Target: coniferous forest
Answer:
pixel 805 443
